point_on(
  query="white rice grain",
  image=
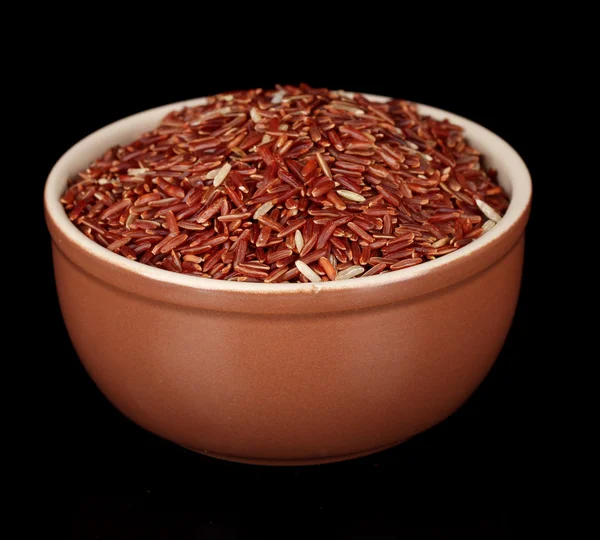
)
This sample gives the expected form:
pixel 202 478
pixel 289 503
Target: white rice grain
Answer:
pixel 350 272
pixel 299 240
pixel 307 272
pixel 255 115
pixel 222 174
pixel 441 242
pixel 488 225
pixel 137 172
pixel 488 211
pixel 278 97
pixel 350 195
pixel 262 210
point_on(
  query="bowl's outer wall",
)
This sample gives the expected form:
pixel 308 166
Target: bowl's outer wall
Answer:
pixel 289 386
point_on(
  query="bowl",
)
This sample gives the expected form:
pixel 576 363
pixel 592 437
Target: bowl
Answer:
pixel 288 373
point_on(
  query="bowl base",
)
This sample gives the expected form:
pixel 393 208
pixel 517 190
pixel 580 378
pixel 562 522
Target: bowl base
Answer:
pixel 293 462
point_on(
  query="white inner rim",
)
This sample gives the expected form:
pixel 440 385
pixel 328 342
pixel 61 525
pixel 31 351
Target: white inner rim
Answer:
pixel 512 175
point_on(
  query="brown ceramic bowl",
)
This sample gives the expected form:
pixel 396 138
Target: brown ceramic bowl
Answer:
pixel 288 373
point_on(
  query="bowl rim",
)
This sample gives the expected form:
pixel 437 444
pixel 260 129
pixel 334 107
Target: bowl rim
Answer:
pixel 518 178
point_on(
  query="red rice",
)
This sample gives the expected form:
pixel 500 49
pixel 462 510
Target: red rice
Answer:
pixel 291 184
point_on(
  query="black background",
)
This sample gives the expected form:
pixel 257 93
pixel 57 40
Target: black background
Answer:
pixel 475 475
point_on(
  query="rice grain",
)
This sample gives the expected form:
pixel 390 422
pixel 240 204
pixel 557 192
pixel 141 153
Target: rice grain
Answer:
pixel 307 272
